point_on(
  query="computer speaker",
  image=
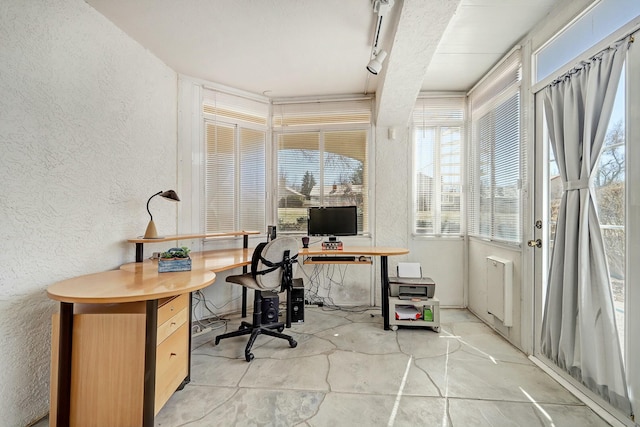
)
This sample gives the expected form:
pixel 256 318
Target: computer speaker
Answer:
pixel 270 303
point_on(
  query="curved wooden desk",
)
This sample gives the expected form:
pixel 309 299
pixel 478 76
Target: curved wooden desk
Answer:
pixel 121 308
pixel 138 291
pixel 118 286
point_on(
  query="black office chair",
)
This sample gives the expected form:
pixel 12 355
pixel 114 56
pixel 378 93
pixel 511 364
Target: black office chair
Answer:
pixel 272 268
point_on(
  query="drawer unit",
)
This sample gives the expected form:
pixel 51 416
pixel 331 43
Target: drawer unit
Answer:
pixel 169 307
pixel 172 347
pixel 112 336
pixel 172 361
pixel 172 313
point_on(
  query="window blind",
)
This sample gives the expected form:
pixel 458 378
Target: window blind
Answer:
pixel 235 156
pixel 323 159
pixel 497 151
pixel 235 109
pixel 220 178
pixel 437 162
pixel 309 114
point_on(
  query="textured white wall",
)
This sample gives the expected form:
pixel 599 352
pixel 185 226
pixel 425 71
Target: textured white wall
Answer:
pixel 87 134
pixel 478 252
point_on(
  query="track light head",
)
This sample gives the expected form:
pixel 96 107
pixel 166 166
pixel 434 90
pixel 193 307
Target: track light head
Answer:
pixel 375 65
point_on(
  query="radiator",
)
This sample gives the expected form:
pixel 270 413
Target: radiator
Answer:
pixel 500 289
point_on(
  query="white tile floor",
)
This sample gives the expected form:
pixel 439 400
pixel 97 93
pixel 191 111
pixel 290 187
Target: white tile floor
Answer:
pixel 348 371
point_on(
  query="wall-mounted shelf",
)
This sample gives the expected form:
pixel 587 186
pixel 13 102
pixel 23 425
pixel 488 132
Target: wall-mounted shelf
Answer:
pixel 140 241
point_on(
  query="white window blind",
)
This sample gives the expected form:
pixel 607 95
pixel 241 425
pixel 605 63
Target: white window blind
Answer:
pixel 324 113
pixel 437 160
pixel 235 146
pixel 322 151
pixel 497 151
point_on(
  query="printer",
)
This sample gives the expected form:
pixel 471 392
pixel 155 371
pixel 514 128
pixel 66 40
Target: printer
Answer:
pixel 409 283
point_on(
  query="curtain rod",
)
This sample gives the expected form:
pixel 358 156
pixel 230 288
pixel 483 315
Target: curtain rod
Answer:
pixel 630 29
pixel 313 100
pixel 628 38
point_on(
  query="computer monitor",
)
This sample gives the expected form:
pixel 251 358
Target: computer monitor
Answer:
pixel 333 221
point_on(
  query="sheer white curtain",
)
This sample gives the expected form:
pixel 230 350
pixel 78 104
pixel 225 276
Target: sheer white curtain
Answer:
pixel 579 331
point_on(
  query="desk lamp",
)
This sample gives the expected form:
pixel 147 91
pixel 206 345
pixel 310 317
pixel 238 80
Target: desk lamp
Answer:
pixel 151 232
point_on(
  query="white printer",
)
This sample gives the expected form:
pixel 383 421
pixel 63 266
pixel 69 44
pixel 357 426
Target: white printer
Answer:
pixel 409 283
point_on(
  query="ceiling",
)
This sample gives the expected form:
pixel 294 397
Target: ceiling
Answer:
pixel 311 48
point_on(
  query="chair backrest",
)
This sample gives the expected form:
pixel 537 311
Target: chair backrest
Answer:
pixel 269 270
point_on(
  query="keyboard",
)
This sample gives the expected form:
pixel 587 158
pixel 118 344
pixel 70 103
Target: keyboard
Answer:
pixel 333 258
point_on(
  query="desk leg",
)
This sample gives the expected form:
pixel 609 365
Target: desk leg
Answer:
pixel 245 245
pixel 65 346
pixel 187 379
pixel 244 298
pixel 139 252
pixel 289 307
pixel 384 282
pixel 151 338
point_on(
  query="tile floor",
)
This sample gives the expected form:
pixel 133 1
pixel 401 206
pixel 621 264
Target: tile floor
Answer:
pixel 348 371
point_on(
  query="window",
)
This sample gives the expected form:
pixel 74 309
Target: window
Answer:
pixel 497 155
pixel 437 162
pixel 600 20
pixel 322 157
pixel 235 141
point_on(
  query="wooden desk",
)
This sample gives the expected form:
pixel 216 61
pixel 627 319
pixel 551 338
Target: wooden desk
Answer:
pixel 382 252
pixel 136 299
pixel 109 359
pixel 134 309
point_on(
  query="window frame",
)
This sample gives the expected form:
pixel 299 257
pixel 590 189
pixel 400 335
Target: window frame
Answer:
pixel 238 113
pixel 324 117
pixel 496 90
pixel 438 113
pixel 364 226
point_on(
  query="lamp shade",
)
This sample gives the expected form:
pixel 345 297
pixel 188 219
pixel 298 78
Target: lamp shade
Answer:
pixel 151 232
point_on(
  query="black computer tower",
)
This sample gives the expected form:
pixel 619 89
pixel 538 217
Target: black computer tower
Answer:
pixel 297 301
pixel 270 303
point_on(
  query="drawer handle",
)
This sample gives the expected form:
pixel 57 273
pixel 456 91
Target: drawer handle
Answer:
pixel 173 354
pixel 173 323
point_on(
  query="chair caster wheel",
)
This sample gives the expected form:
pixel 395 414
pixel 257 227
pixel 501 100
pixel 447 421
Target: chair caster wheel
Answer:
pixel 394 328
pixel 281 328
pixel 293 343
pixel 248 357
pixel 437 329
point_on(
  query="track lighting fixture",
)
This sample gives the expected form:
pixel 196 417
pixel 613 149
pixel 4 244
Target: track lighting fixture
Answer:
pixel 375 65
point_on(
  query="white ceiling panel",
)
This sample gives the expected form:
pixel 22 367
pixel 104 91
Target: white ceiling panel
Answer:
pixel 457 72
pixel 311 48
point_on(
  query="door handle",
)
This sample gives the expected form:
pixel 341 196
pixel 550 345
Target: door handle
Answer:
pixel 535 243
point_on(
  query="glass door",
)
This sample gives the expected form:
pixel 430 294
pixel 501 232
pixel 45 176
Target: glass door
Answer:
pixel 612 202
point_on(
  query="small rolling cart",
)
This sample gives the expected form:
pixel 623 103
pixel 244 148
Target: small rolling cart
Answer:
pixel 411 299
